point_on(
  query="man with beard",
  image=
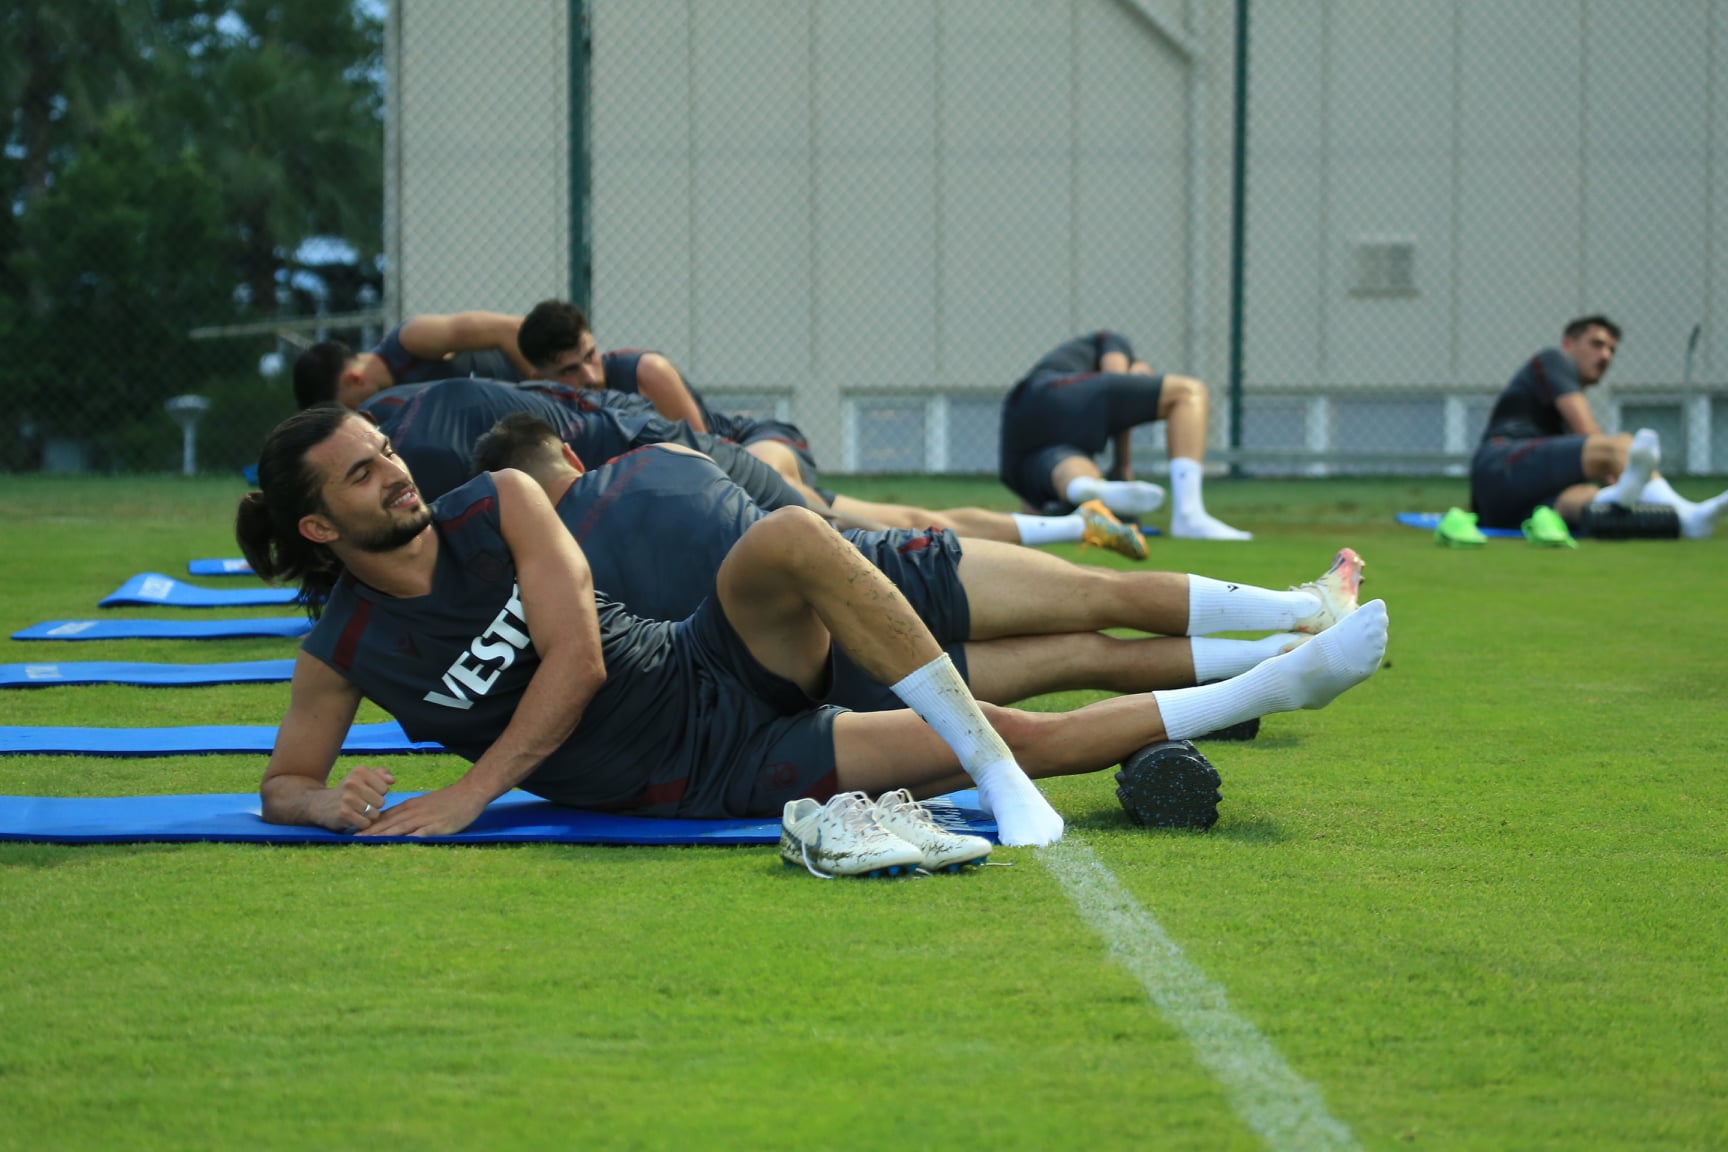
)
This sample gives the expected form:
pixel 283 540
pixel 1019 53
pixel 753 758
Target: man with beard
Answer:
pixel 475 623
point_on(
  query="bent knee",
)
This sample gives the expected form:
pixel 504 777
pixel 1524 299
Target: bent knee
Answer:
pixel 777 456
pixel 1181 389
pixel 784 529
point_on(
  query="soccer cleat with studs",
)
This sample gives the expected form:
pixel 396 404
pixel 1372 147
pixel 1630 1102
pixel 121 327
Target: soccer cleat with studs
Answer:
pixel 843 838
pixel 944 851
pixel 1103 530
pixel 1336 590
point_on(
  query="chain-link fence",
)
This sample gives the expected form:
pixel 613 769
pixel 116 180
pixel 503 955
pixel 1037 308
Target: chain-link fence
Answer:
pixel 872 219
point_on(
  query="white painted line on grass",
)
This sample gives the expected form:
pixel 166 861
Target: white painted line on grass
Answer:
pixel 1283 1109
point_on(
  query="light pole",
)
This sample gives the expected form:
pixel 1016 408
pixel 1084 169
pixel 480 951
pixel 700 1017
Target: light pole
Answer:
pixel 187 410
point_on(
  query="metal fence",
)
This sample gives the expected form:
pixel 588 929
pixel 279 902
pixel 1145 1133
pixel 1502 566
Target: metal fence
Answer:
pixel 872 219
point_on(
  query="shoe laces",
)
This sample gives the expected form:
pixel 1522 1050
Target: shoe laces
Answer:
pixel 900 803
pixel 856 816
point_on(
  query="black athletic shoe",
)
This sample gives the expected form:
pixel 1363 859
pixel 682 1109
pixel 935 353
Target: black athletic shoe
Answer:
pixel 1169 785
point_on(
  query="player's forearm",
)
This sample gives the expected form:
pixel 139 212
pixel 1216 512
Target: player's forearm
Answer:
pixel 299 800
pixel 675 404
pixel 550 709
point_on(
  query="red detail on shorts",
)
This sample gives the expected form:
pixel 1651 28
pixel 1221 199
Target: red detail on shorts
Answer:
pixel 1525 447
pixel 1065 381
pixel 484 504
pixel 343 657
pixel 669 792
pixel 823 790
pixel 917 543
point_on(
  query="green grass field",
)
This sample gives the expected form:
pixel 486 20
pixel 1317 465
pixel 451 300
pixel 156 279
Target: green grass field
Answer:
pixel 1481 902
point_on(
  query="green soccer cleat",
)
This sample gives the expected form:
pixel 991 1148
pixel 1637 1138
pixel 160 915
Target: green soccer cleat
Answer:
pixel 1546 529
pixel 1457 529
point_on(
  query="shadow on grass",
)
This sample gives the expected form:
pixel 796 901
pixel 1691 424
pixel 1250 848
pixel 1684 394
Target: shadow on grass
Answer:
pixel 1254 829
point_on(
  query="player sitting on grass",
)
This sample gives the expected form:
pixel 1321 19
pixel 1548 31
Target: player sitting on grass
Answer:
pixel 1542 445
pixel 1093 391
pixel 475 623
pixel 1016 622
pixel 556 340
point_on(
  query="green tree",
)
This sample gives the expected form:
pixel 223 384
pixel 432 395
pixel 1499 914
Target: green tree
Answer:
pixel 165 161
pixel 120 250
pixel 284 104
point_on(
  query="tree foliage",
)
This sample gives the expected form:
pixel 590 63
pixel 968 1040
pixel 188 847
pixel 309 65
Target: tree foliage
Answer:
pixel 165 162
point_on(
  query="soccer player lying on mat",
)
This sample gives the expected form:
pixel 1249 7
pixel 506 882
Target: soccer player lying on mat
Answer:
pixel 475 623
pixel 1542 445
pixel 556 340
pixel 1093 391
pixel 420 349
pixel 1016 622
pixel 434 427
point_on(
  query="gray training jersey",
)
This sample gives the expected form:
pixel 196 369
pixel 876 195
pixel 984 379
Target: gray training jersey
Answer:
pixel 1526 409
pixel 452 665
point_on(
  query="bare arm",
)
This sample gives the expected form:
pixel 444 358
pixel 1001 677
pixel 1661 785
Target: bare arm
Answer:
pixel 557 591
pixel 433 337
pixel 1575 410
pixel 661 383
pixel 321 709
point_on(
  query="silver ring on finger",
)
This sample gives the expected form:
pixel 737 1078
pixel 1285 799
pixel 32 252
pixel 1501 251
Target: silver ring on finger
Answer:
pixel 366 811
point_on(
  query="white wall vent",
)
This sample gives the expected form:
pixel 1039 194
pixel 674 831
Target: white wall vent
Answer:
pixel 1383 266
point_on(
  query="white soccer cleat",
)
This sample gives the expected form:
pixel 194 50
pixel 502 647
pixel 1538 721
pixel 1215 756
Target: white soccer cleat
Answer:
pixel 843 838
pixel 944 851
pixel 1336 590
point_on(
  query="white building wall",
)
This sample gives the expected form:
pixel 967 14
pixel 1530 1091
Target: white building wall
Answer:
pixel 477 204
pixel 826 201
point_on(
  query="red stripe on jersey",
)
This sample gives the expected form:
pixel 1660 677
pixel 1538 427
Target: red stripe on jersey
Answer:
pixel 484 504
pixel 343 657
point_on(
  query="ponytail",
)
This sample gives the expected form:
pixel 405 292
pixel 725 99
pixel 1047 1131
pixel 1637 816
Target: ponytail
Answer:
pixel 267 522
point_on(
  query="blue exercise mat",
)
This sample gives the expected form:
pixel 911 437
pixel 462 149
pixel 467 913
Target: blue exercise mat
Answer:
pixel 153 588
pixel 165 629
pixel 231 567
pixel 373 739
pixel 148 675
pixel 1428 521
pixel 514 818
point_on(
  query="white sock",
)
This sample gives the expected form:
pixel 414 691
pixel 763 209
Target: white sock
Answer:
pixel 1185 498
pixel 1214 606
pixel 1310 676
pixel 1123 497
pixel 1643 459
pixel 1699 521
pixel 1036 530
pixel 1216 659
pixel 1657 490
pixel 1189 519
pixel 940 697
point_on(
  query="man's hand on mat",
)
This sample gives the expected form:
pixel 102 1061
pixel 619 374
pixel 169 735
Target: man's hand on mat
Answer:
pixel 360 798
pixel 440 813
